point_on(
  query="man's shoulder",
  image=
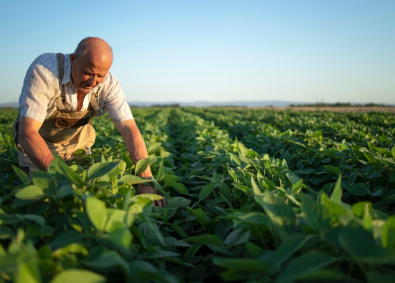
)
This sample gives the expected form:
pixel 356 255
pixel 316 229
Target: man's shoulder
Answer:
pixel 45 59
pixel 46 63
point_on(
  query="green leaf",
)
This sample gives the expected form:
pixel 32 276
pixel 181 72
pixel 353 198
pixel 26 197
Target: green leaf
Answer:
pixel 370 157
pixel 161 172
pixel 290 246
pixel 241 269
pixel 64 192
pixel 224 189
pixel 206 239
pixel 281 214
pixel 97 212
pixel 255 188
pixel 73 248
pixel 359 208
pixel 333 169
pixel 217 178
pixel 151 197
pixel 158 254
pixel 48 185
pixel 141 165
pixel 375 175
pixel 200 215
pixel 392 176
pixel 359 189
pixel 337 191
pixel 120 234
pixel 191 251
pixel 72 176
pixel 303 265
pixel 316 215
pixel 178 230
pixel 21 175
pixel 127 160
pixel 107 259
pixel 146 272
pixel 336 209
pixel 80 152
pixel 353 238
pixel 55 168
pixel 237 237
pixel 206 191
pixel 98 170
pixel 133 180
pixel 27 272
pixel 151 233
pixel 388 232
pixel 31 192
pixel 78 275
pixel 118 216
pixel 170 180
pixel 324 275
pixel 154 147
pixel 173 242
pixel 253 249
pixel 6 233
pixel 318 133
pixel 32 217
pixel 139 205
pixel 181 188
pixel 65 238
pixel 296 187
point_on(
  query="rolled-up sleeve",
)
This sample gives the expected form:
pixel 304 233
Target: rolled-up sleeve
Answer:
pixel 115 102
pixel 39 87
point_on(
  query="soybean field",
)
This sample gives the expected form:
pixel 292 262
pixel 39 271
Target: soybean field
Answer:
pixel 252 195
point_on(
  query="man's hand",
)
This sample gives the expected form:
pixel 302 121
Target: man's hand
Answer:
pixel 143 189
pixel 137 150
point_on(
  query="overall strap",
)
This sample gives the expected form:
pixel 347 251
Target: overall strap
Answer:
pixel 60 57
pixel 94 101
pixel 58 101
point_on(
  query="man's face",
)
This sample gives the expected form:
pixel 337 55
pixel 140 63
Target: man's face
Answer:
pixel 87 72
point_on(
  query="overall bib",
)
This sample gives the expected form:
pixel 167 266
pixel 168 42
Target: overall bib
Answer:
pixel 64 132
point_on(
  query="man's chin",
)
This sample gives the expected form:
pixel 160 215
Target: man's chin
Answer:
pixel 85 90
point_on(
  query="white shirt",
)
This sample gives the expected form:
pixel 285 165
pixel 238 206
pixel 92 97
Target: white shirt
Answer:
pixel 41 86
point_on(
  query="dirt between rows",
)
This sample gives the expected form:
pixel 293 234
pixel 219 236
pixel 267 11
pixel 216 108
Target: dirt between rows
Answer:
pixel 334 109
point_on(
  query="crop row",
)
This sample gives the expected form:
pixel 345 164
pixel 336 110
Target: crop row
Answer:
pixel 264 196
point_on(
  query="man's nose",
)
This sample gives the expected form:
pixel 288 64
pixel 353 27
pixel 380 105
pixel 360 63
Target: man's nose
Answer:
pixel 92 80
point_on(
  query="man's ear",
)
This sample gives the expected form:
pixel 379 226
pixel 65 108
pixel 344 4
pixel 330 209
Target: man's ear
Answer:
pixel 72 58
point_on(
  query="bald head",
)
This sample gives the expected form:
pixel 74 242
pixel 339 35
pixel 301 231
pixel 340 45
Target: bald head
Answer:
pixel 90 63
pixel 94 49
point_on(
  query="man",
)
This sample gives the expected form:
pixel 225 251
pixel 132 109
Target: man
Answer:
pixel 60 94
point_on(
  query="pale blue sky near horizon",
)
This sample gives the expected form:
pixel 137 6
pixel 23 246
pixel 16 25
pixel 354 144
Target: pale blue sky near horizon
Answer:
pixel 173 50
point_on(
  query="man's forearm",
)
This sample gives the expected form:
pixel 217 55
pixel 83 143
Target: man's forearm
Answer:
pixel 134 143
pixel 137 150
pixel 36 149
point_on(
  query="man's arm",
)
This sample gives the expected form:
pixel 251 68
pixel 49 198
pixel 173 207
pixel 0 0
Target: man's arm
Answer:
pixel 33 144
pixel 137 150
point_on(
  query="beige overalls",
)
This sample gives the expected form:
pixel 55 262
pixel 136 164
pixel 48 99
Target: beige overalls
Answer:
pixel 64 132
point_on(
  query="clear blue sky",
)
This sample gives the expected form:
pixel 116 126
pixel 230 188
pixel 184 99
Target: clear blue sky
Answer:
pixel 215 50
